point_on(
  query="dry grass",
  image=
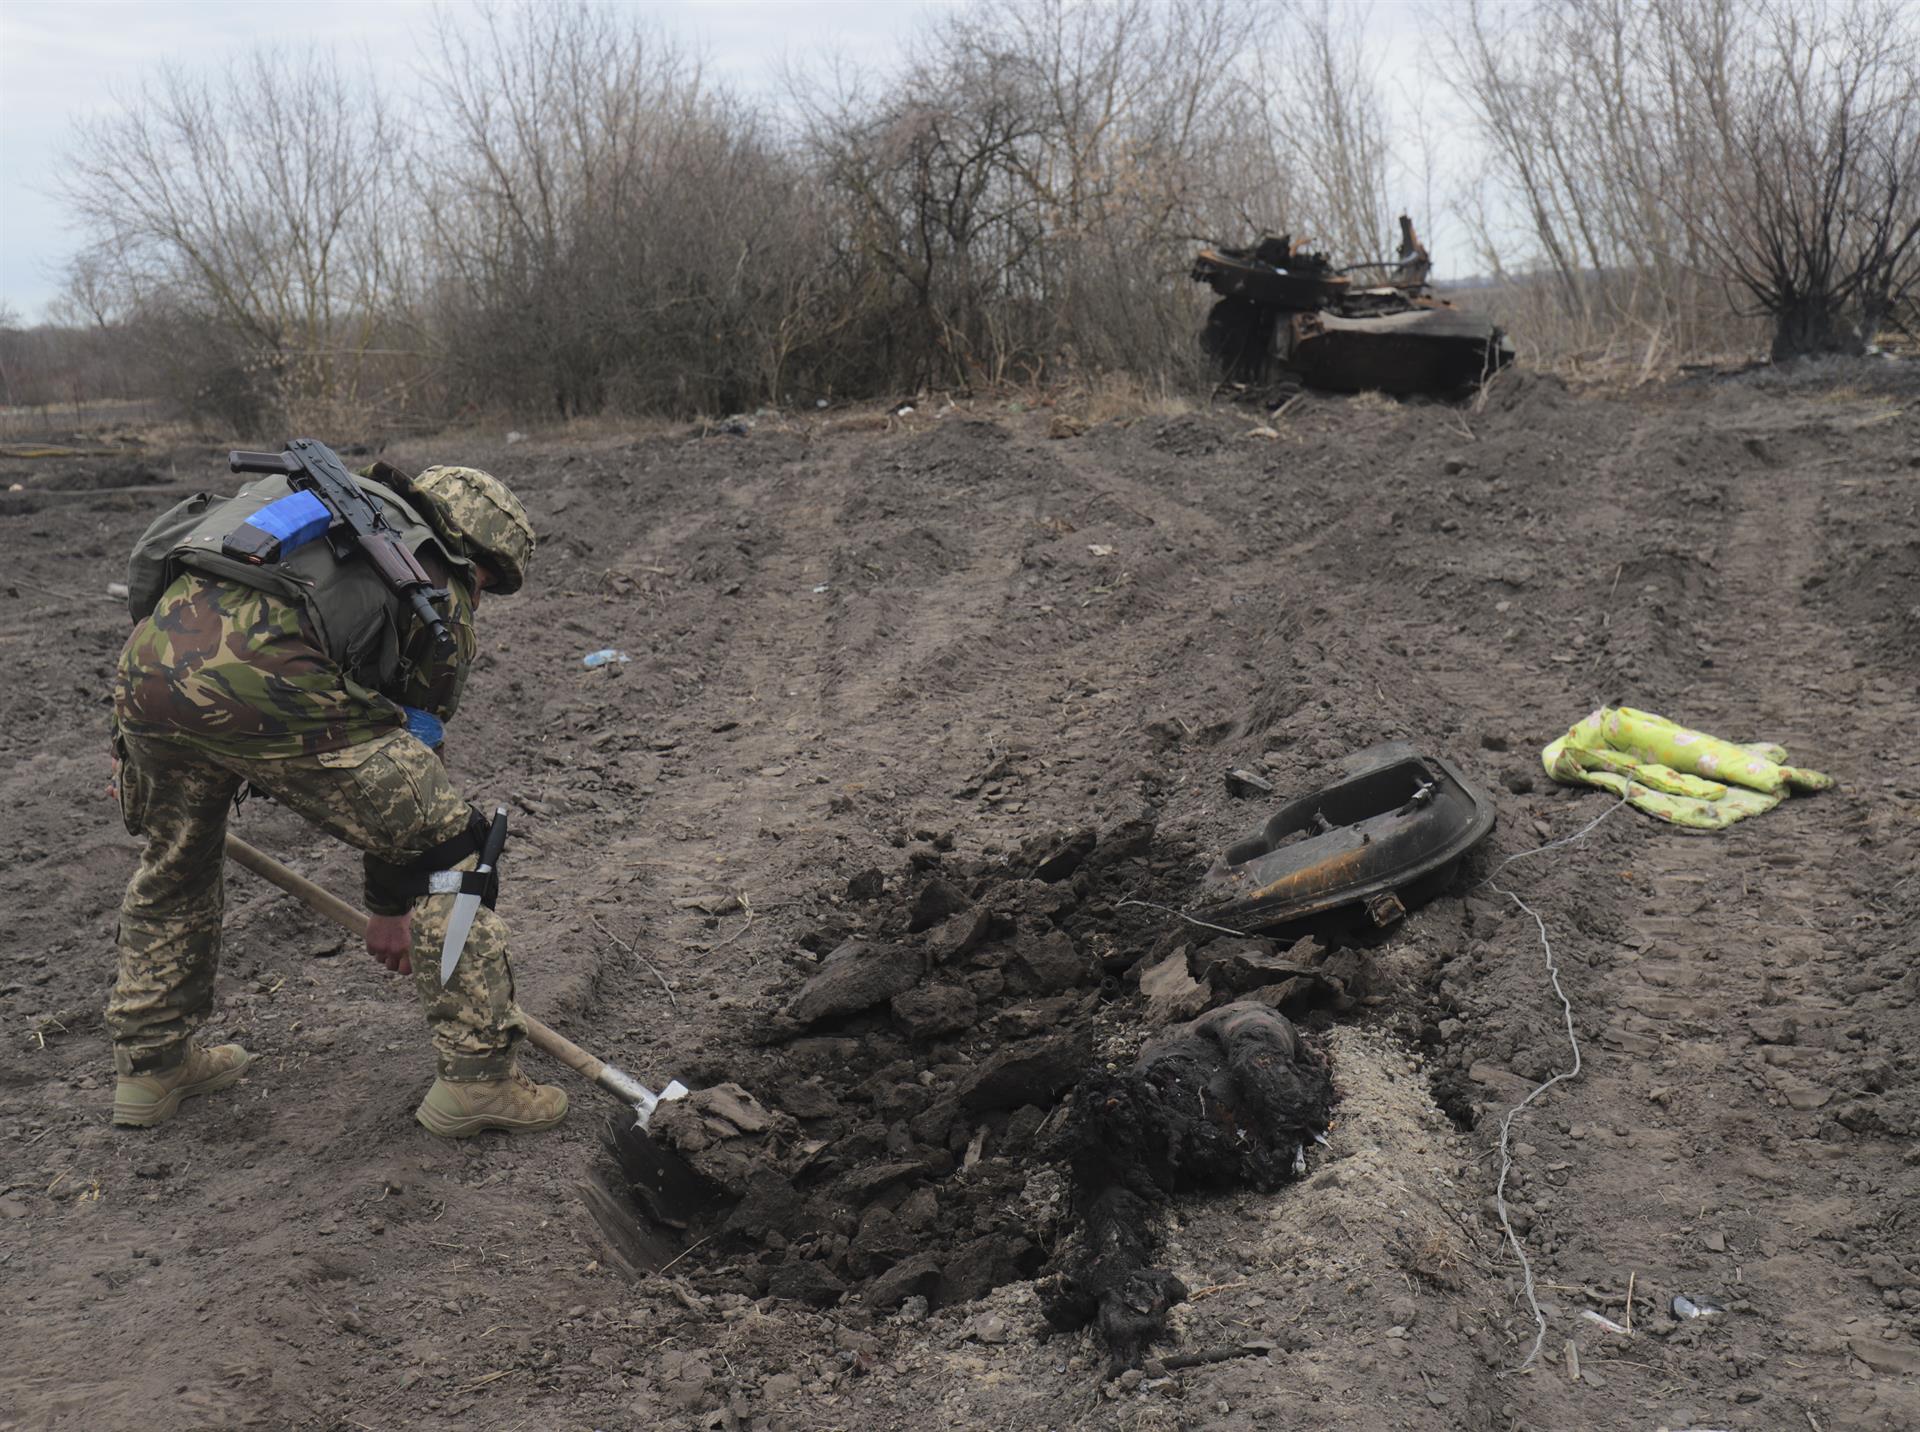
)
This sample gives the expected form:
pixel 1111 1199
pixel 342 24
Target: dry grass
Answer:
pixel 1120 397
pixel 1372 401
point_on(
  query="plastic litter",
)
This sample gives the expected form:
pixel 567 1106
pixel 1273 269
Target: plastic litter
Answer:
pixel 425 726
pixel 1686 1307
pixel 819 589
pixel 1608 1323
pixel 603 657
pixel 516 437
pixel 1242 782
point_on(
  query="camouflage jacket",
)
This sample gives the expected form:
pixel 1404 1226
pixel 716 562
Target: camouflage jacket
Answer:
pixel 237 672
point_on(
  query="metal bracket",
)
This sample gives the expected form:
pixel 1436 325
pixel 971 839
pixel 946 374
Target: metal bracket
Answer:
pixel 1385 908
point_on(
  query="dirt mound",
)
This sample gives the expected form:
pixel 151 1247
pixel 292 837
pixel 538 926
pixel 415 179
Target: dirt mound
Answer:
pixel 938 1119
pixel 915 1076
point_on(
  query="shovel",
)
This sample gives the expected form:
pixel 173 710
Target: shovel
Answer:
pixel 614 1080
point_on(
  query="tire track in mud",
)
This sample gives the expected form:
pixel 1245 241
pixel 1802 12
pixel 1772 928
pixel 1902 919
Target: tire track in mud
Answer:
pixel 1714 985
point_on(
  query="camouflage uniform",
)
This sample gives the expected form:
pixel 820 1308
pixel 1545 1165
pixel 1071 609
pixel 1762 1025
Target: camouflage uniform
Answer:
pixel 223 686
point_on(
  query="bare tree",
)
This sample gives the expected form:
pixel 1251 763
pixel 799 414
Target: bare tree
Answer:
pixel 606 228
pixel 1662 150
pixel 256 219
pixel 1814 128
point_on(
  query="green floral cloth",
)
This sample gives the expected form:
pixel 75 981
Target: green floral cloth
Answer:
pixel 1679 775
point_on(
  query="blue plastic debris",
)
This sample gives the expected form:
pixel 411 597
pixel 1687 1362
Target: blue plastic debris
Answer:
pixel 604 656
pixel 425 726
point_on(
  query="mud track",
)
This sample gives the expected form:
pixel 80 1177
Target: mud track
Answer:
pixel 853 642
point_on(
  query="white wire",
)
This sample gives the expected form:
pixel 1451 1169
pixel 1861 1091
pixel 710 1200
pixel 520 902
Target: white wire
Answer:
pixel 1573 1043
pixel 1180 914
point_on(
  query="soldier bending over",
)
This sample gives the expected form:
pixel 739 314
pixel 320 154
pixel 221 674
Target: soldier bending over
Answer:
pixel 292 677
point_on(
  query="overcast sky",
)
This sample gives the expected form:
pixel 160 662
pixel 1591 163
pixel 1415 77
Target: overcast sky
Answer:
pixel 64 59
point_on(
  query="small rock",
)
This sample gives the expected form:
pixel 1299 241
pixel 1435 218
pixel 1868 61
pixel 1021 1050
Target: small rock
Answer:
pixel 1172 992
pixel 806 1282
pixel 987 1328
pixel 856 976
pixel 1716 1242
pixel 929 1011
pixel 1065 854
pixel 1050 964
pixel 959 935
pixel 1806 1097
pixel 977 1268
pixel 732 1104
pixel 1242 965
pixel 1895 1359
pixel 12 1208
pixel 1885 1272
pixel 1030 1072
pixel 937 899
pixel 915 1276
pixel 868 885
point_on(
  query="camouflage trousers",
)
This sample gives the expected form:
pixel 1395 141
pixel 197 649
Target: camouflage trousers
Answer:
pixel 389 797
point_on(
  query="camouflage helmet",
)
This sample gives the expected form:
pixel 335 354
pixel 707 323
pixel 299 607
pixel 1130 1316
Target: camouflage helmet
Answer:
pixel 477 515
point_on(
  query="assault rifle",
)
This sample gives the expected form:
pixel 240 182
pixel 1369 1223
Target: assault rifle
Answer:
pixel 326 500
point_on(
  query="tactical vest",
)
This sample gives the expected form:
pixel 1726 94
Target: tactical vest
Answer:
pixel 357 620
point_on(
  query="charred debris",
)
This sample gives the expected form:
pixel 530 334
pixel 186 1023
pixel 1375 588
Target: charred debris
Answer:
pixel 1000 1068
pixel 1286 311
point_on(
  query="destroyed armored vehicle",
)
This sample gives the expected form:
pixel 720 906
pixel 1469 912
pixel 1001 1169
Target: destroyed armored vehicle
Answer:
pixel 1283 309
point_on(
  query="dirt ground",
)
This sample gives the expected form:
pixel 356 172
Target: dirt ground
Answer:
pixel 909 645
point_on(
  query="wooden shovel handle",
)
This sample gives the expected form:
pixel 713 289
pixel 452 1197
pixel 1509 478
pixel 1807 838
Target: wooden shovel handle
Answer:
pixel 341 913
pixel 271 870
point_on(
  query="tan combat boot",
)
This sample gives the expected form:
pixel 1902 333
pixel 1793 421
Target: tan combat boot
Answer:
pixel 459 1110
pixel 143 1100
